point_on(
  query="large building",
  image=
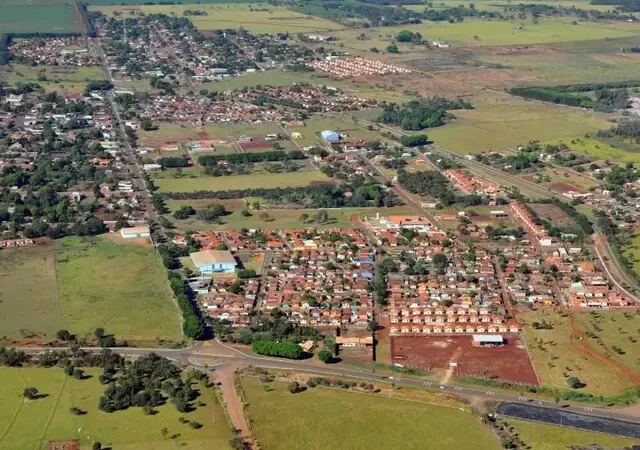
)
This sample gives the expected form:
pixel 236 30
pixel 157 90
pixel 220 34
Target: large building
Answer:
pixel 135 232
pixel 330 136
pixel 214 261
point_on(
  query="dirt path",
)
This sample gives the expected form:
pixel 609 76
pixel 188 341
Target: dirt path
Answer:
pixel 233 404
pixel 449 373
pixel 580 341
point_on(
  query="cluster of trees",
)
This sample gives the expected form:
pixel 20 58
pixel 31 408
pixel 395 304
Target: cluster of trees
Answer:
pixel 173 161
pixel 409 36
pixel 251 157
pixel 420 114
pixel 370 15
pixel 284 349
pixel 625 130
pixel 431 183
pixel 193 325
pixel 415 140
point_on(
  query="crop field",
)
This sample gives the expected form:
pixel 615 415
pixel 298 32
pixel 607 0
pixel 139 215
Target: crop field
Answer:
pixel 29 424
pixel 29 273
pixel 551 437
pixel 502 122
pixel 119 287
pixel 42 19
pixel 256 18
pixel 355 421
pixel 69 80
pixel 508 363
pixel 600 150
pixel 557 355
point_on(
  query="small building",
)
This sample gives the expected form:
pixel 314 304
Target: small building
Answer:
pixel 487 340
pixel 148 167
pixel 354 341
pixel 330 136
pixel 214 261
pixel 135 232
pixel 498 214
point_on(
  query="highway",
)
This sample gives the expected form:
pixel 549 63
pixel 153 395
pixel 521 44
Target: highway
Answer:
pixel 226 357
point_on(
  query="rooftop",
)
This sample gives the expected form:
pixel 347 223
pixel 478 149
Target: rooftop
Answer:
pixel 206 257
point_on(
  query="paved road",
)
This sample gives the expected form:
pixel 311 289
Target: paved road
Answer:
pixel 226 357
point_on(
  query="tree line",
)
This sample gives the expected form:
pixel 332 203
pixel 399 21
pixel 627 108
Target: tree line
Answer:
pixel 431 183
pixel 251 157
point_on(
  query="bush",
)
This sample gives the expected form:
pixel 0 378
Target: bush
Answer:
pixel 294 387
pixel 30 393
pixel 325 356
pixel 285 349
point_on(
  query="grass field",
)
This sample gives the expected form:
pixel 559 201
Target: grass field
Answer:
pixel 267 181
pixel 180 132
pixel 69 80
pixel 321 418
pixel 540 436
pixel 29 273
pixel 28 424
pixel 614 328
pixel 501 122
pixel 553 351
pixel 599 150
pixel 632 252
pixel 42 19
pixel 256 18
pixel 119 287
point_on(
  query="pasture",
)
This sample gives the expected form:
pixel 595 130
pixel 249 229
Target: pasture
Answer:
pixel 599 150
pixel 355 421
pixel 632 251
pixel 166 183
pixel 119 287
pixel 541 436
pixel 67 80
pixel 257 18
pixel 29 424
pixel 28 292
pixel 49 18
pixel 557 355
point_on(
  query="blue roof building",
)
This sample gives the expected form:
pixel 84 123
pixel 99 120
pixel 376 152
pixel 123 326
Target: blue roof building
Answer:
pixel 330 136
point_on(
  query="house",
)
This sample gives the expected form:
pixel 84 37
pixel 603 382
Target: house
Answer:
pixel 135 232
pixel 213 261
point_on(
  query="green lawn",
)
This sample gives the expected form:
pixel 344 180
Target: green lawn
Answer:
pixel 70 80
pixel 39 19
pixel 321 418
pixel 553 351
pixel 540 436
pixel 28 294
pixel 119 287
pixel 29 424
pixel 267 181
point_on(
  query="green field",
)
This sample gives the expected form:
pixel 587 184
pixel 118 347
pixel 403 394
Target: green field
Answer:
pixel 501 122
pixel 321 418
pixel 29 272
pixel 29 424
pixel 69 80
pixel 119 287
pixel 39 19
pixel 553 351
pixel 167 183
pixel 540 436
pixel 256 18
pixel 632 252
pixel 599 150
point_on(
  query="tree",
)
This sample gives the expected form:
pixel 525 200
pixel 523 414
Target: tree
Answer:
pixel 146 124
pixel 30 393
pixel 303 217
pixel 393 48
pixel 63 335
pixel 96 446
pixel 325 356
pixel 575 383
pixel 294 387
pixel 99 333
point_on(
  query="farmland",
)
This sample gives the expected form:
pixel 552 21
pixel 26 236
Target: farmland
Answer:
pixel 39 19
pixel 354 418
pixel 556 355
pixel 118 287
pixel 263 19
pixel 29 273
pixel 30 423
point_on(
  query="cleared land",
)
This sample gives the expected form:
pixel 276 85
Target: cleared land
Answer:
pixel 355 421
pixel 29 424
pixel 599 150
pixel 256 18
pixel 119 287
pixel 29 302
pixel 556 355
pixel 68 80
pixel 550 437
pixel 507 363
pixel 39 19
pixel 632 252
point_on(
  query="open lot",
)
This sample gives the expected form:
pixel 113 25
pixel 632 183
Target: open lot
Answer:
pixel 29 273
pixel 355 421
pixel 507 363
pixel 119 287
pixel 29 424
pixel 68 80
pixel 551 213
pixel 632 251
pixel 256 18
pixel 600 150
pixel 24 18
pixel 557 354
pixel 551 437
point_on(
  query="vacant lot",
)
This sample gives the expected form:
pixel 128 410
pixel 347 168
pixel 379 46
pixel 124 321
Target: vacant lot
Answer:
pixel 28 424
pixel 284 421
pixel 39 19
pixel 68 80
pixel 551 437
pixel 632 251
pixel 551 213
pixel 557 355
pixel 29 273
pixel 258 18
pixel 600 150
pixel 508 363
pixel 119 287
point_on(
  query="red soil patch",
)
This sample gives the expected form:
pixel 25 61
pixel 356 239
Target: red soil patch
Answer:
pixel 256 143
pixel 551 213
pixel 510 362
pixel 565 187
pixel 63 445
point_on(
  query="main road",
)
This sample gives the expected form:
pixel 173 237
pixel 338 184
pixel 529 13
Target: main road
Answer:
pixel 223 357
